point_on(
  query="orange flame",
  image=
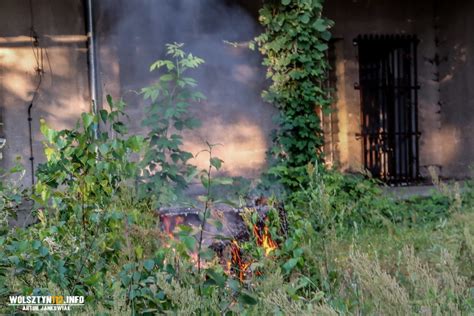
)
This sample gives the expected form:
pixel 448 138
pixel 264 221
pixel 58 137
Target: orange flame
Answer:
pixel 264 239
pixel 169 226
pixel 170 223
pixel 236 265
pixel 241 265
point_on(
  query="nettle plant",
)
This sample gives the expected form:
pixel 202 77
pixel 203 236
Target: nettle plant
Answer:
pixel 294 47
pixel 166 170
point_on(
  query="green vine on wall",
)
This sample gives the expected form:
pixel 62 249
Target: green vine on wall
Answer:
pixel 294 47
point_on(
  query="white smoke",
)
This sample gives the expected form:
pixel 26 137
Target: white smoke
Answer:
pixel 133 34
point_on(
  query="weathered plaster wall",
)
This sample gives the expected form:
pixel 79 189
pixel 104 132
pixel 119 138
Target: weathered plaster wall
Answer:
pixel 132 36
pixel 456 76
pixel 63 92
pixel 383 17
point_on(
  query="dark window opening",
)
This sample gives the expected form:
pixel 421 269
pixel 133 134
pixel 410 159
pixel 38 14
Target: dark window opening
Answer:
pixel 389 106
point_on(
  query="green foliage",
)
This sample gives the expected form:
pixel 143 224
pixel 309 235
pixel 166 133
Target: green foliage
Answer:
pixel 165 164
pixel 294 47
pixel 80 221
pixel 338 203
pixel 333 214
pixel 97 236
pixel 84 173
pixel 12 194
pixel 343 246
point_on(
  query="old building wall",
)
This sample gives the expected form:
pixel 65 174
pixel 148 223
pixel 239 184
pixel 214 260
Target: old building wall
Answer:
pixel 456 77
pixel 131 36
pixel 353 18
pixel 63 91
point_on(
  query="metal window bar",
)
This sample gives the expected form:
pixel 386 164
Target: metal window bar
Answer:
pixel 389 106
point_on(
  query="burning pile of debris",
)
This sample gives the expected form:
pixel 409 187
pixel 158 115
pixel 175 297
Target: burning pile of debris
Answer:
pixel 227 228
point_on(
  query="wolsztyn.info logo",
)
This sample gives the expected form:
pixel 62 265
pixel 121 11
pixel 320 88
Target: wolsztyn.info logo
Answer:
pixel 45 303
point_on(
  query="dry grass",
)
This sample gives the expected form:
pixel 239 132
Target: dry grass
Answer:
pixel 377 287
pixel 414 288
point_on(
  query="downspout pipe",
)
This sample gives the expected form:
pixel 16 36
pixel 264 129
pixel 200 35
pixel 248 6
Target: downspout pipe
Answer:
pixel 92 58
pixel 32 157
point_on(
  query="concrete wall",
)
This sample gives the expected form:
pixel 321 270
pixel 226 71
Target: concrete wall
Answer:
pixel 456 77
pixel 132 35
pixel 63 92
pixel 440 127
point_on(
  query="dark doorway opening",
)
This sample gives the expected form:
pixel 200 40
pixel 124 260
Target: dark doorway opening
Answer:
pixel 389 106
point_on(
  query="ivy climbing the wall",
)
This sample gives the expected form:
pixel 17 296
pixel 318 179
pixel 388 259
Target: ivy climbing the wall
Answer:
pixel 294 47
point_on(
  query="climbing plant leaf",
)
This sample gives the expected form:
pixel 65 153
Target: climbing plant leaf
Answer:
pixel 294 45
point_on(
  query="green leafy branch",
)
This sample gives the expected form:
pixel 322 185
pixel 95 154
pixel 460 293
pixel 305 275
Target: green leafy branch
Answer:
pixel 165 163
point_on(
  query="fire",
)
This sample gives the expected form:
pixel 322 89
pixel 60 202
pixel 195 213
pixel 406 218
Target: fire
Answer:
pixel 169 224
pixel 263 239
pixel 241 265
pixel 236 265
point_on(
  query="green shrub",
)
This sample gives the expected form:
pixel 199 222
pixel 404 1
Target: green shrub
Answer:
pixel 166 171
pixel 12 194
pixel 80 230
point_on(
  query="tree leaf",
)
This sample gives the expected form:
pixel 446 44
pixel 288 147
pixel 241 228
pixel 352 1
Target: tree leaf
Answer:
pixel 219 278
pixel 223 181
pixel 166 78
pixel 87 119
pixel 216 162
pixel 290 264
pixel 304 18
pixel 247 298
pixel 322 47
pixel 104 115
pixel 320 25
pixel 189 242
pixel 149 264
